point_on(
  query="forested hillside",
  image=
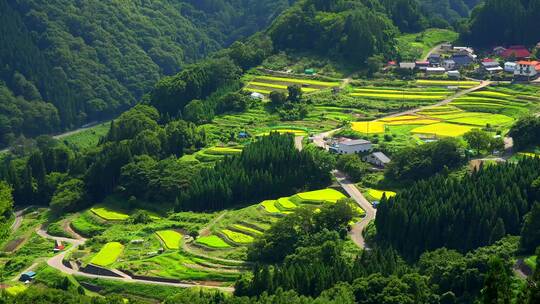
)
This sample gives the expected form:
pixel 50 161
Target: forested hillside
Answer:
pixel 502 22
pixel 65 63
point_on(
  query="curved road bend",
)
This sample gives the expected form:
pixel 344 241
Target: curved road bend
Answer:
pixel 56 262
pixel 354 193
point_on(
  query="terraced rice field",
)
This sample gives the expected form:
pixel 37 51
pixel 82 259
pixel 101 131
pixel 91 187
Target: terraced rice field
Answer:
pixel 399 94
pixel 286 204
pixel 246 229
pixel 108 214
pixel 108 254
pixel 286 130
pixel 447 83
pixel 223 151
pixel 270 207
pixel 170 238
pixel 378 194
pixel 212 241
pixel 368 127
pixel 442 130
pixel 267 84
pixel 237 237
pixel 325 195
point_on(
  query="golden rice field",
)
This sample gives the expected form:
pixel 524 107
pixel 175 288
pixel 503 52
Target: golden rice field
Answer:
pixel 237 237
pixel 443 129
pixel 277 86
pixel 327 195
pixel 368 127
pixel 418 121
pixel 399 96
pixel 299 81
pixel 378 194
pixel 448 83
pixel 393 91
pixel 108 214
pixel 170 238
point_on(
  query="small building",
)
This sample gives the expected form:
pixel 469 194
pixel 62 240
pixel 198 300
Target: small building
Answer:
pixel 446 47
pixel 27 276
pixel 491 67
pixel 463 50
pixel 449 64
pixel 422 65
pixel 256 95
pixel 528 69
pixel 510 67
pixel 498 50
pixel 378 159
pixel 454 74
pixel 243 134
pixel 351 146
pixel 435 71
pixel 462 60
pixel 391 63
pixel 58 246
pixel 407 65
pixel 516 51
pixel 434 59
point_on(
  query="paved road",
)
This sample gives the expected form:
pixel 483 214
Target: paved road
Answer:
pixel 18 219
pixel 56 262
pixel 354 193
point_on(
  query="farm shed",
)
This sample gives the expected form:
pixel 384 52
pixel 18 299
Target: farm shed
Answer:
pixel 256 95
pixel 351 146
pixel 454 74
pixel 378 159
pixel 27 276
pixel 435 71
pixel 407 65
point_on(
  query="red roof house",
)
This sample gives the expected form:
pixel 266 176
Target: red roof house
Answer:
pixel 518 51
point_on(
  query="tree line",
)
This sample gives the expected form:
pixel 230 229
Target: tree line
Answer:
pixel 462 214
pixel 268 168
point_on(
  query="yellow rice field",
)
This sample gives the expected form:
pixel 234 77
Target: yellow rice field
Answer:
pixel 443 129
pixel 378 194
pixel 300 81
pixel 368 127
pixel 399 96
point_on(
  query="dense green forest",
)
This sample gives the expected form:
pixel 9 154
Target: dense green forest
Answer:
pixel 462 214
pixel 63 64
pixel 502 22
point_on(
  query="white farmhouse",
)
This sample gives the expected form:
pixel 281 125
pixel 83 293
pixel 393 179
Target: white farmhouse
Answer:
pixel 351 146
pixel 529 69
pixel 510 67
pixel 378 159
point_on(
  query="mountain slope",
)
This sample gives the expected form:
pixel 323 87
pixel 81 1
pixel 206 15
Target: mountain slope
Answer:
pixel 93 59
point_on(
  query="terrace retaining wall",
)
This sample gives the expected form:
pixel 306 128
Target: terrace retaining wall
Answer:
pixel 96 270
pixel 152 279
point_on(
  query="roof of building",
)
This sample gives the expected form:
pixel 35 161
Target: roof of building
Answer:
pixel 490 64
pixel 524 62
pixel 30 273
pixel 381 157
pixel 435 56
pixel 510 63
pixel 407 65
pixel 422 63
pixel 518 51
pixel 355 142
pixel 462 59
pixel 453 73
pixel 449 61
pixel 435 69
pixel 494 69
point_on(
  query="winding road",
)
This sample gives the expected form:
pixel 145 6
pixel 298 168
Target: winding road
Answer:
pixel 56 262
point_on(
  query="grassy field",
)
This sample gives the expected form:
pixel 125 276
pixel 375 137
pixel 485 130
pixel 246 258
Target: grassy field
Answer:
pixel 88 137
pixel 108 254
pixel 172 239
pixel 416 46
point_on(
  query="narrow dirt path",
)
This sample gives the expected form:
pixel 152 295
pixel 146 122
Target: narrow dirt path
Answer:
pixel 298 142
pixel 433 50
